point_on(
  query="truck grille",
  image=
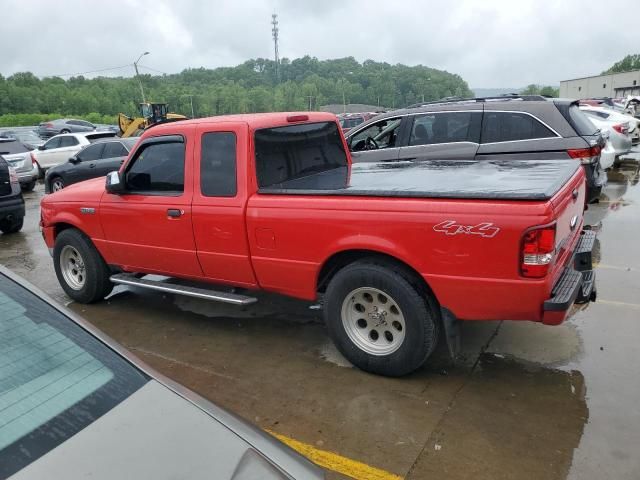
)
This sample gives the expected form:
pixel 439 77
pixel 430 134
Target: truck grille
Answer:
pixel 5 182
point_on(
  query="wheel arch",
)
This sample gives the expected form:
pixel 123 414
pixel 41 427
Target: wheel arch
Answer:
pixel 59 227
pixel 341 259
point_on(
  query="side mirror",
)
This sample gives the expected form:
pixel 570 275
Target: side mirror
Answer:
pixel 114 183
pixel 74 160
pixel 41 147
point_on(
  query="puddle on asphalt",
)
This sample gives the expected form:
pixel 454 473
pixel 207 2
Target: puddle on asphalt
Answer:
pixel 513 419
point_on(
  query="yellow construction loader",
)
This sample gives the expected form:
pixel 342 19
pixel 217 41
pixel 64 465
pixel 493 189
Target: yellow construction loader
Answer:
pixel 150 114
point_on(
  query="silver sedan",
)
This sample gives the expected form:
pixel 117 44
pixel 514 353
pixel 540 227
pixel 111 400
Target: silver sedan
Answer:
pixel 74 404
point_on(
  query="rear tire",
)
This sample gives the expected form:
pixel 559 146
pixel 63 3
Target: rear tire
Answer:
pixel 28 187
pixel 11 226
pixel 81 270
pixel 379 320
pixel 64 130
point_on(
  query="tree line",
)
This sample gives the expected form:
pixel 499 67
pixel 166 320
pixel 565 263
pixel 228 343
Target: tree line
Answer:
pixel 627 64
pixel 254 86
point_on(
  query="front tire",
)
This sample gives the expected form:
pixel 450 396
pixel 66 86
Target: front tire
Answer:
pixel 379 320
pixel 55 184
pixel 11 226
pixel 81 270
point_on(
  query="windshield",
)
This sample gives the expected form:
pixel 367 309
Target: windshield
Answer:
pixel 55 378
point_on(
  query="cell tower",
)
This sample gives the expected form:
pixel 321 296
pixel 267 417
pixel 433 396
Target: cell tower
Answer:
pixel 274 33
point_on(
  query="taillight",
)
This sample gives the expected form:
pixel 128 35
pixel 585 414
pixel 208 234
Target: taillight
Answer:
pixel 48 125
pixel 586 155
pixel 538 250
pixel 33 159
pixel 621 128
pixel 13 176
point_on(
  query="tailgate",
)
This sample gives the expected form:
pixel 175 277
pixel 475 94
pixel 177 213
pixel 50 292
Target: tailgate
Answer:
pixel 568 205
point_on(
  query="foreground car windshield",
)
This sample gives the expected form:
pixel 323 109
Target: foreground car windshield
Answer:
pixel 55 378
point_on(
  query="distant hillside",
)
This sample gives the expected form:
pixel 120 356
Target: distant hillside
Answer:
pixel 254 86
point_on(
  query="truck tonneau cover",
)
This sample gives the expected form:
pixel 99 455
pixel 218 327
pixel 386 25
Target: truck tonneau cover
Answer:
pixel 474 179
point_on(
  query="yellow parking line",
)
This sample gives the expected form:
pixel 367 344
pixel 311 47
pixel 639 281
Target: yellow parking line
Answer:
pixel 619 304
pixel 336 463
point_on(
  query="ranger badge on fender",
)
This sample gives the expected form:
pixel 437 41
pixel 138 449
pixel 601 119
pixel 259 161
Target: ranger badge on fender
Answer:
pixel 450 227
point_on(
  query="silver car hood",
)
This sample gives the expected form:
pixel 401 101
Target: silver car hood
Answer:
pixel 154 434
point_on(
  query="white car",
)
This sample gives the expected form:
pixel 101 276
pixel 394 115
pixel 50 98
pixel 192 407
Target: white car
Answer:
pixel 612 115
pixel 608 153
pixel 618 133
pixel 60 148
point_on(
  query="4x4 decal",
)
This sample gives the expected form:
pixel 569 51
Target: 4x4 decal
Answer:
pixel 450 227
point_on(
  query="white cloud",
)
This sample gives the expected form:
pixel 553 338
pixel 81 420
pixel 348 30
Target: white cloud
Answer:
pixel 494 43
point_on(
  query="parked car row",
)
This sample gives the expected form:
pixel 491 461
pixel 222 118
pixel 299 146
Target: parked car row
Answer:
pixel 60 148
pixel 94 160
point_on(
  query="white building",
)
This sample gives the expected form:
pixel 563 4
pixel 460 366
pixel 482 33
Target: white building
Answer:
pixel 613 85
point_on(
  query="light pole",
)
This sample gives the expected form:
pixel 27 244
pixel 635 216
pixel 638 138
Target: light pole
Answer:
pixel 135 65
pixel 193 115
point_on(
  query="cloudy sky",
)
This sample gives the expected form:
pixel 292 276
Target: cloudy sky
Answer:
pixel 490 43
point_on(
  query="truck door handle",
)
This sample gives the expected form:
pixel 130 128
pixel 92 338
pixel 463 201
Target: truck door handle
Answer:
pixel 92 165
pixel 174 212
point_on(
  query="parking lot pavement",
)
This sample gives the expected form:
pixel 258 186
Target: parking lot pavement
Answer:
pixel 527 402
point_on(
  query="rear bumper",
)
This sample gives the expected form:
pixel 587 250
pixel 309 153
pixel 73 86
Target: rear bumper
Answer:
pixel 12 207
pixel 596 179
pixel 28 176
pixel 577 284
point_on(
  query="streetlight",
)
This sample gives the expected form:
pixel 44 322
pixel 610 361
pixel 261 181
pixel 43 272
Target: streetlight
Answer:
pixel 135 65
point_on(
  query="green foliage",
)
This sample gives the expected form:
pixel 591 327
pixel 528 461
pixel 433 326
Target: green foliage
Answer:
pixel 534 89
pixel 627 64
pixel 250 87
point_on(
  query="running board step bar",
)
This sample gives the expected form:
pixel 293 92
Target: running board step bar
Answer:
pixel 168 287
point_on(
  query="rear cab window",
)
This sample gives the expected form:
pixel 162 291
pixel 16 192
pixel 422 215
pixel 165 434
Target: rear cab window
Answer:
pixel 284 154
pixel 55 378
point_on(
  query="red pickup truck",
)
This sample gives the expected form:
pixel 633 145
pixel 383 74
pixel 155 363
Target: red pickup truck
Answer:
pixel 397 252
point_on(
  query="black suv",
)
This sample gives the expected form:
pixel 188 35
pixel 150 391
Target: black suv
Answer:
pixel 515 126
pixel 11 201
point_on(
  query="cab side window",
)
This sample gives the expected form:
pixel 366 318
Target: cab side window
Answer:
pixel 445 127
pixel 218 165
pixel 68 142
pixel 158 168
pixel 90 153
pixel 381 134
pixel 53 143
pixel 113 150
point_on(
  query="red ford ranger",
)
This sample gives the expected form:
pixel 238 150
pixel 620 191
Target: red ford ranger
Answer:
pixel 398 252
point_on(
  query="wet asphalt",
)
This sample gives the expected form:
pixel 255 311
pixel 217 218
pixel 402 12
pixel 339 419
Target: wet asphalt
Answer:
pixel 527 401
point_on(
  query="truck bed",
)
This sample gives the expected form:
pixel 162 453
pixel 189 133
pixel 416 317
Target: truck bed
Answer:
pixel 473 179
